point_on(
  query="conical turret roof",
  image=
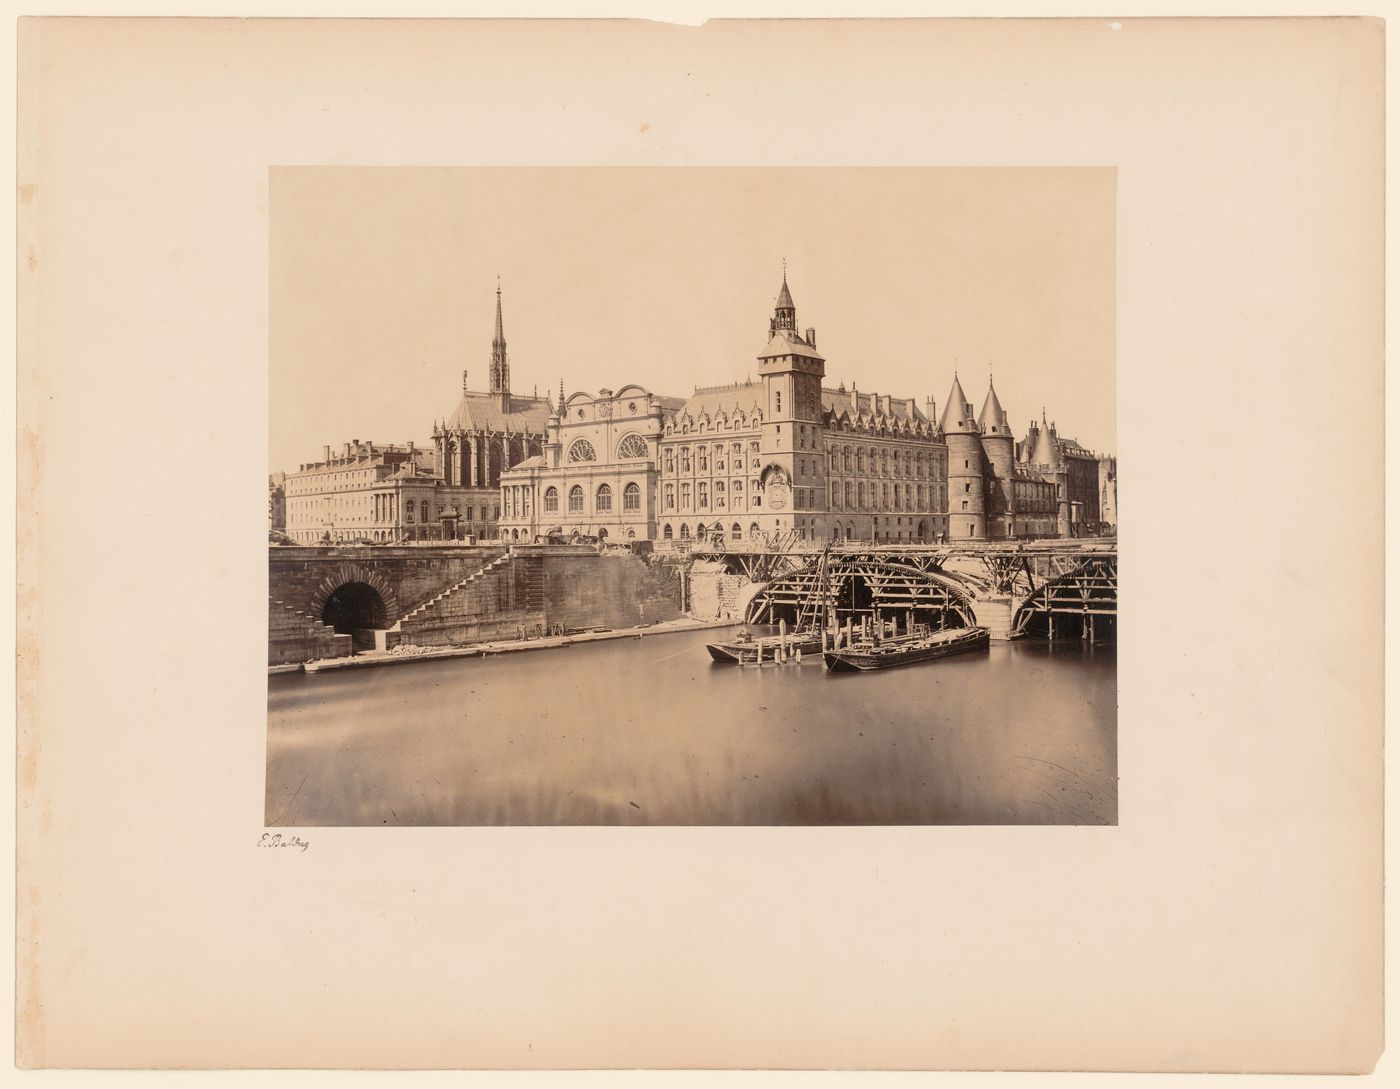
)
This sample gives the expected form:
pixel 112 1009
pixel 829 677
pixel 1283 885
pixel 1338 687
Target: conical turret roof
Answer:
pixel 957 414
pixel 784 295
pixel 993 419
pixel 1047 451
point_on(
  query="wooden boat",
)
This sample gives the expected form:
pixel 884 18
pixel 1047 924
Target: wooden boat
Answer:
pixel 920 647
pixel 745 649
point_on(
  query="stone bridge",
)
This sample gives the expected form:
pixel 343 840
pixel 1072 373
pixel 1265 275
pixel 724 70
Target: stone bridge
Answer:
pixel 1054 589
pixel 332 601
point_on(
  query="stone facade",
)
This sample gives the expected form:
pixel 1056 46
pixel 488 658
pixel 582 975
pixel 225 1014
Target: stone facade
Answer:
pixel 596 475
pixel 366 492
pixel 780 457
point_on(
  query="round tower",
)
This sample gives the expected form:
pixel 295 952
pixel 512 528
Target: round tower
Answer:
pixel 999 446
pixel 967 507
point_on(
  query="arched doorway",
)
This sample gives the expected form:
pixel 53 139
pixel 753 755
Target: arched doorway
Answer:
pixel 356 609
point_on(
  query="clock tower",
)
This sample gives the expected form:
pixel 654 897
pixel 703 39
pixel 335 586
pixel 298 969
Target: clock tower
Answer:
pixel 794 474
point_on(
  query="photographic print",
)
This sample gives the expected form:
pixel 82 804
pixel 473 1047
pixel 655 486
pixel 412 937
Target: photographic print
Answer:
pixel 677 468
pixel 692 497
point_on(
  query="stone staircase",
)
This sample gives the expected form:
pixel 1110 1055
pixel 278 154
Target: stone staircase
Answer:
pixel 421 610
pixel 297 636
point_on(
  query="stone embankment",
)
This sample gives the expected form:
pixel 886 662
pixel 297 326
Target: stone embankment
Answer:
pixel 411 653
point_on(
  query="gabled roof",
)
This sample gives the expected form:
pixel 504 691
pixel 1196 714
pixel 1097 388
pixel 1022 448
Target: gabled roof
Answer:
pixel 483 412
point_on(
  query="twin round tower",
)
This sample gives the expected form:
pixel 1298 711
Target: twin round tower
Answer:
pixel 993 492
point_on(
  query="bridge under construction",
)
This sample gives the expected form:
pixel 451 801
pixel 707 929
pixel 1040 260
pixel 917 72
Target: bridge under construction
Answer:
pixel 1052 589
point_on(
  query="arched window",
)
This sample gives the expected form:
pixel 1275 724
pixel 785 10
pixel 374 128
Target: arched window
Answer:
pixel 408 512
pixel 753 531
pixel 666 534
pixel 551 499
pixel 604 499
pixel 582 450
pixel 633 446
pixel 736 532
pixel 632 497
pixel 576 498
pixel 685 532
pixel 700 532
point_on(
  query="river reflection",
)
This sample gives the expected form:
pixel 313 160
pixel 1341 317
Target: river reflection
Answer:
pixel 651 732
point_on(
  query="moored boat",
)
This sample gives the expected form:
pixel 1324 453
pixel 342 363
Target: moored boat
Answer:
pixel 920 647
pixel 745 649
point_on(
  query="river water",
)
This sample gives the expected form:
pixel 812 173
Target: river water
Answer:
pixel 649 731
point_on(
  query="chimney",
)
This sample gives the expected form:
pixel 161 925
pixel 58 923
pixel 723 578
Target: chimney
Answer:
pixel 326 452
pixel 812 337
pixel 347 450
pixel 410 447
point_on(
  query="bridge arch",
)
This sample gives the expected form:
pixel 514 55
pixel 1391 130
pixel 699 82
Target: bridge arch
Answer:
pixel 1079 604
pixel 352 591
pixel 863 585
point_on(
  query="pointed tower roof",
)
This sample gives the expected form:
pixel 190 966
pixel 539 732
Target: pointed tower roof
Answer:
pixel 993 419
pixel 499 340
pixel 784 295
pixel 1047 451
pixel 957 413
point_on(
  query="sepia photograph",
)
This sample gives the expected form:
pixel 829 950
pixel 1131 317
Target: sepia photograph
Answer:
pixel 676 466
pixel 576 518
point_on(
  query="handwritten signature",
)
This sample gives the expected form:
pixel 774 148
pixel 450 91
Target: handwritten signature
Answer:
pixel 277 839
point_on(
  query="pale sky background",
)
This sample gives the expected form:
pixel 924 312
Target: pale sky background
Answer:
pixel 382 286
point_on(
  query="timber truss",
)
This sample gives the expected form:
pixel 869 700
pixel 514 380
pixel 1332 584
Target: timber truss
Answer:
pixel 858 583
pixel 1086 592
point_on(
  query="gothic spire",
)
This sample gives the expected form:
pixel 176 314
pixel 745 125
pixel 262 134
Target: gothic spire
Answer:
pixel 500 366
pixel 785 313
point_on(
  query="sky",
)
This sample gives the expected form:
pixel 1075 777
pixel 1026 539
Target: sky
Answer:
pixel 382 287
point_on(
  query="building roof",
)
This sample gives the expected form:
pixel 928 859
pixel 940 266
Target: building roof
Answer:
pixel 957 413
pixel 903 409
pixel 788 342
pixel 483 412
pixel 1047 450
pixel 745 397
pixel 670 404
pixel 785 296
pixel 993 419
